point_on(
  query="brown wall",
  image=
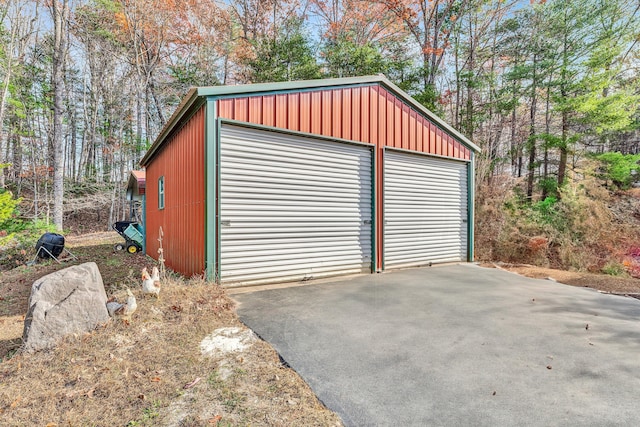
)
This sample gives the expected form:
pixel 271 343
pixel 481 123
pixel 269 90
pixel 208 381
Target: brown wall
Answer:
pixel 181 160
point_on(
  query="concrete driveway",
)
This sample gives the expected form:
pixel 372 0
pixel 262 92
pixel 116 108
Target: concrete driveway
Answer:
pixel 457 345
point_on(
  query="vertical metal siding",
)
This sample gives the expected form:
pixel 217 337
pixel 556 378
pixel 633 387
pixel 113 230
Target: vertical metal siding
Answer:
pixel 369 114
pixel 292 208
pixel 305 112
pixel 181 162
pixel 336 113
pixel 425 210
pixel 294 112
pixel 346 114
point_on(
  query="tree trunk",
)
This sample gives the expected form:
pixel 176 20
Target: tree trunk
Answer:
pixel 3 103
pixel 60 12
pixel 562 165
pixel 531 144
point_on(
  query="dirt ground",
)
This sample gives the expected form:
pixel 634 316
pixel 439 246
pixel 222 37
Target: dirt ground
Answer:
pixel 600 282
pixel 154 371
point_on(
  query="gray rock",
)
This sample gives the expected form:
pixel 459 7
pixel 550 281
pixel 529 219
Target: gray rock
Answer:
pixel 66 302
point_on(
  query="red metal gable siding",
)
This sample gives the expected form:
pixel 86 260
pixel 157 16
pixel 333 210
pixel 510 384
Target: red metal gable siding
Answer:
pixel 181 161
pixel 368 114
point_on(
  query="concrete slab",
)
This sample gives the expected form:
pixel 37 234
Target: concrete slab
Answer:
pixel 457 345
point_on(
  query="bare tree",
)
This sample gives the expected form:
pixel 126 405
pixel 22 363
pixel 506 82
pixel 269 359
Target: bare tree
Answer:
pixel 60 14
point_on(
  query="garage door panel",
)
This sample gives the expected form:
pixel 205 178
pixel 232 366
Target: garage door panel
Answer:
pixel 273 172
pixel 292 207
pixel 425 210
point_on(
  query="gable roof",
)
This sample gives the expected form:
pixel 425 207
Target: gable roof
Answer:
pixel 196 96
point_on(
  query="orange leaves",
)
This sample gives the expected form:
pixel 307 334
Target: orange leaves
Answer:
pixel 361 21
pixel 433 51
pixel 538 243
pixel 121 21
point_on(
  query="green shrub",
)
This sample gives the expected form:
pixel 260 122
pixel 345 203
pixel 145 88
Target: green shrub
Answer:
pixel 8 207
pixel 613 268
pixel 621 169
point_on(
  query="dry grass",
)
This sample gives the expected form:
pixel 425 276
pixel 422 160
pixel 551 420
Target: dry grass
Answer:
pixel 601 282
pixel 143 374
pixel 588 229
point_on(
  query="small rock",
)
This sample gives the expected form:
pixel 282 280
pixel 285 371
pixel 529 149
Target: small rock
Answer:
pixel 549 367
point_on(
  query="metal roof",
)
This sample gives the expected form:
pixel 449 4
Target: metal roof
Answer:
pixel 197 96
pixel 136 185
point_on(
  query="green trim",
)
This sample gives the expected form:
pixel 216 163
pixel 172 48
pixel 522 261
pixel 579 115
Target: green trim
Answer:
pixel 248 125
pixel 144 224
pixel 218 203
pixel 211 225
pixel 305 89
pixel 161 193
pixel 382 223
pixel 421 153
pixel 374 204
pixel 243 90
pixel 470 207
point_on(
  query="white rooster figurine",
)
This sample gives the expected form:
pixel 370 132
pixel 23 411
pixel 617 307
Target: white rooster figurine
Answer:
pixel 124 311
pixel 151 284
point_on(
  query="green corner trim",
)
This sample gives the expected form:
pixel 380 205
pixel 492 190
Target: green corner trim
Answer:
pixel 470 207
pixel 218 202
pixel 144 224
pixel 210 184
pixel 374 216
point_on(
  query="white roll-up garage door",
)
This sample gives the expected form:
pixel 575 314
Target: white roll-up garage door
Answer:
pixel 425 210
pixel 292 207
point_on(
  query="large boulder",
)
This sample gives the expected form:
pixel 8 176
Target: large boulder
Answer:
pixel 66 302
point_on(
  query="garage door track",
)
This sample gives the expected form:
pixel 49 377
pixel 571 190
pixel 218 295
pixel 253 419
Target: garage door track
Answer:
pixel 457 345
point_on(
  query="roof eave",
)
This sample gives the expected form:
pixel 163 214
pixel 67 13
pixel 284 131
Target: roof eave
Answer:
pixel 450 129
pixel 185 105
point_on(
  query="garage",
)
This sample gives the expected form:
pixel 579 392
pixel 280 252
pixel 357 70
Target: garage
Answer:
pixel 292 208
pixel 425 210
pixel 295 181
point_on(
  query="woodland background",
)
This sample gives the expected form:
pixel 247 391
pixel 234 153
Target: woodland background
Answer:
pixel 549 89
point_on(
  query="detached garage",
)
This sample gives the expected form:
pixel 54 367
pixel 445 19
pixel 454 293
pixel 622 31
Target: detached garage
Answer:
pixel 294 181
